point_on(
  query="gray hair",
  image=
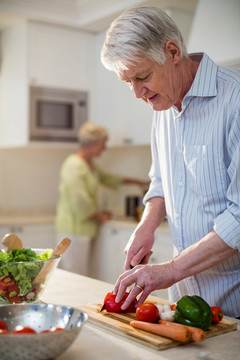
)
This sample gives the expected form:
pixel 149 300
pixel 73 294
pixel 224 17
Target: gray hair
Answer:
pixel 139 32
pixel 90 133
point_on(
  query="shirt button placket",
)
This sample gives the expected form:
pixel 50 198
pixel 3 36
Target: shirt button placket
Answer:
pixel 180 182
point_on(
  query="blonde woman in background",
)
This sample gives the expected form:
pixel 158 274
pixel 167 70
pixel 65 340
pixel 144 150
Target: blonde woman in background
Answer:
pixel 78 214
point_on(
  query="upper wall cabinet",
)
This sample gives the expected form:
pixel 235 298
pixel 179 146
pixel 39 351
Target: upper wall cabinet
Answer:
pixel 127 119
pixel 41 55
pixel 61 57
pixel 218 33
pixel 14 87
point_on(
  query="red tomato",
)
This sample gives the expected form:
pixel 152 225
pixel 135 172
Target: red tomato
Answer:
pixel 23 330
pixel 111 306
pixel 4 332
pixel 3 286
pixel 147 312
pixel 217 314
pixel 55 329
pixel 14 299
pixel 8 281
pixel 173 307
pixel 13 288
pixel 3 325
pixel 44 331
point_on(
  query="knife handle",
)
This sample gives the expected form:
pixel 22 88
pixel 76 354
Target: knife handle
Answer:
pixel 131 267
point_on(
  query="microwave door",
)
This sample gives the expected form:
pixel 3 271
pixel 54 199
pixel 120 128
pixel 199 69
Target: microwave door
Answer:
pixel 57 114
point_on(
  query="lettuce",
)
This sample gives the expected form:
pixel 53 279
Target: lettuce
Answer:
pixel 23 266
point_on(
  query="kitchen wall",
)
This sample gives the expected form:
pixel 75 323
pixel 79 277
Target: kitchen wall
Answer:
pixel 29 176
pixel 215 30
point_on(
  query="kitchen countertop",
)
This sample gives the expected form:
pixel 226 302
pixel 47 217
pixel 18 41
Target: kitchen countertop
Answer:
pixel 47 216
pixel 93 343
pixel 27 217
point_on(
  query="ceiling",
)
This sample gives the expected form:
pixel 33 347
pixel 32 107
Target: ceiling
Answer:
pixel 89 15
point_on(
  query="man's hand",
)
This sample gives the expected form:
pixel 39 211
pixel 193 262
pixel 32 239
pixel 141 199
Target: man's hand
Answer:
pixel 138 249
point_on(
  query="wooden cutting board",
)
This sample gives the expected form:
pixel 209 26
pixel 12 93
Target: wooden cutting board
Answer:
pixel 119 324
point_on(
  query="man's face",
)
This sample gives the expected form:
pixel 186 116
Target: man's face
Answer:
pixel 158 85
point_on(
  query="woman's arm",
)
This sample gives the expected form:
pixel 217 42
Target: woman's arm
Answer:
pixel 132 181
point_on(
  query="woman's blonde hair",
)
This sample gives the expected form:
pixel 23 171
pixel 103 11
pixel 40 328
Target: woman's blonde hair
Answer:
pixel 90 133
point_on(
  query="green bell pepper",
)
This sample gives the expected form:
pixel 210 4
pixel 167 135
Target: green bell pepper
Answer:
pixel 193 311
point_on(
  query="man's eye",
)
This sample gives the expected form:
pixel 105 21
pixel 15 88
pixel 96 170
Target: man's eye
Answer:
pixel 144 78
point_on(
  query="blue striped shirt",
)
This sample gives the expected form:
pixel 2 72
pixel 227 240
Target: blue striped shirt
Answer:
pixel 196 168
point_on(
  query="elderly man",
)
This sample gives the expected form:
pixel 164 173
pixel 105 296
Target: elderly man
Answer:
pixel 195 173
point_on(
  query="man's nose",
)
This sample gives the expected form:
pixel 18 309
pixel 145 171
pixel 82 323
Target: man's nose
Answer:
pixel 138 89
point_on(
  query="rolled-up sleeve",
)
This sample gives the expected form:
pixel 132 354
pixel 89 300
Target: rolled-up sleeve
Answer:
pixel 227 224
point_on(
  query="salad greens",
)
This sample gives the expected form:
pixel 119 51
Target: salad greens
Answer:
pixel 17 255
pixel 18 268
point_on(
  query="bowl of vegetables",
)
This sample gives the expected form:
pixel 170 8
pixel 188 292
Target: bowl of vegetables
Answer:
pixel 38 331
pixel 24 274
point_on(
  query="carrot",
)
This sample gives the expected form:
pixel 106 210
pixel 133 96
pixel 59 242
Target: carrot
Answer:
pixel 173 307
pixel 178 334
pixel 196 334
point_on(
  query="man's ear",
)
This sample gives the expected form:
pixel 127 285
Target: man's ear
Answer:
pixel 172 50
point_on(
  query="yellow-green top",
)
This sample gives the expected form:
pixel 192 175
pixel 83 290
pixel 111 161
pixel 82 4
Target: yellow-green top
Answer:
pixel 78 200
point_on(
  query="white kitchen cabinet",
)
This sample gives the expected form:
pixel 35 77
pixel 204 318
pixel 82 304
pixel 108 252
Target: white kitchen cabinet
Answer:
pixel 107 260
pixel 43 55
pixel 61 57
pixel 127 119
pixel 33 235
pixel 38 54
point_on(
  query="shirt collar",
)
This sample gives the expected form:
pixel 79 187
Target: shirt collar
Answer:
pixel 204 83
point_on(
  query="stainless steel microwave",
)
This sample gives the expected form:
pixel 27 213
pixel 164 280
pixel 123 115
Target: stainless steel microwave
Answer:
pixel 56 114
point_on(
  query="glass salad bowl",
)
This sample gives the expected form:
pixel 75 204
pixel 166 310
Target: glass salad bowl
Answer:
pixel 24 274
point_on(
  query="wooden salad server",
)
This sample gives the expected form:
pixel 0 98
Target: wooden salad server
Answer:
pixel 12 241
pixel 59 250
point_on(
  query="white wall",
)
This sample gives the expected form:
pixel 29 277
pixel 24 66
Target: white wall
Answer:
pixel 62 57
pixel 13 84
pixel 216 30
pixel 129 161
pixel 116 108
pixel 29 177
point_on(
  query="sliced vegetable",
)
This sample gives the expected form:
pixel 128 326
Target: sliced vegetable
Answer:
pixel 18 268
pixel 193 311
pixel 3 325
pixel 110 304
pixel 197 334
pixel 217 314
pixel 23 330
pixel 175 333
pixel 147 312
pixel 55 329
